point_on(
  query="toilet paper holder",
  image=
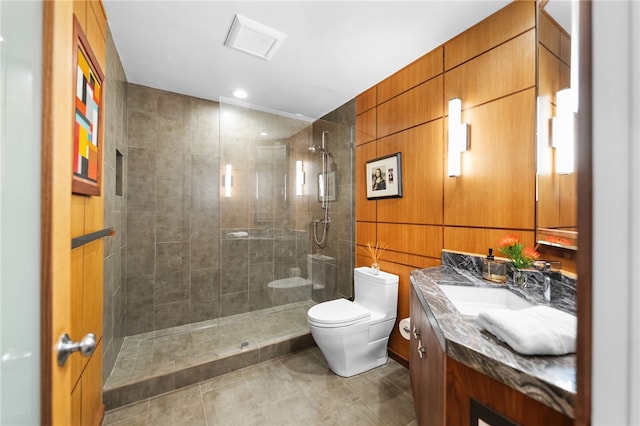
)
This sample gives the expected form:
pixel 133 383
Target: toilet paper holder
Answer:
pixel 404 326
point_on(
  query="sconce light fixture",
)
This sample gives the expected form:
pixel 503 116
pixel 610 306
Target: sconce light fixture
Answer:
pixel 457 138
pixel 563 138
pixel 227 181
pixel 299 177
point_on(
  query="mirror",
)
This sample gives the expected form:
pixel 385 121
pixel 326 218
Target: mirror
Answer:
pixel 556 143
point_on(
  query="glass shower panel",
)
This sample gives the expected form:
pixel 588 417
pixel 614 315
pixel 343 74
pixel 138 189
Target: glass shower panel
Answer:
pixel 272 168
pixel 263 250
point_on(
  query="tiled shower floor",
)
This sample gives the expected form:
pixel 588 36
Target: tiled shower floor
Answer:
pixel 157 362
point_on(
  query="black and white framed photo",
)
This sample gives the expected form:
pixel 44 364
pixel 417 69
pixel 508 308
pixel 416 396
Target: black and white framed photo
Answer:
pixel 384 177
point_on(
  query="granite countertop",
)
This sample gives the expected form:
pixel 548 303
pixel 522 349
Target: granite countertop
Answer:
pixel 548 379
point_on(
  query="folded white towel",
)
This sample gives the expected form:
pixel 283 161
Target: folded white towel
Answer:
pixel 539 330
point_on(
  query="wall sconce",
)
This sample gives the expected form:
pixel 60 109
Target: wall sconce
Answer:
pixel 458 137
pixel 227 181
pixel 543 136
pixel 563 138
pixel 299 177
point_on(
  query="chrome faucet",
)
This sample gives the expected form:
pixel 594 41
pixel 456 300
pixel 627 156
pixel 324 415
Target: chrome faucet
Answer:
pixel 546 287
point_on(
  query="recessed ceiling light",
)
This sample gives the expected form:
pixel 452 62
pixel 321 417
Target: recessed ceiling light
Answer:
pixel 264 134
pixel 253 38
pixel 239 93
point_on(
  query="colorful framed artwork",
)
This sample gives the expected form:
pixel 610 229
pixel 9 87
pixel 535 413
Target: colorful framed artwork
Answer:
pixel 384 177
pixel 87 117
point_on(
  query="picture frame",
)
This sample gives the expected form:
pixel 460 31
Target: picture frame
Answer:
pixel 384 177
pixel 331 187
pixel 88 78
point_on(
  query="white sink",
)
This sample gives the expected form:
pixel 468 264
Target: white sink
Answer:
pixel 472 300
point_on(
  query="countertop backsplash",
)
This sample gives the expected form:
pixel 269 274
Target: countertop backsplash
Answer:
pixel 563 287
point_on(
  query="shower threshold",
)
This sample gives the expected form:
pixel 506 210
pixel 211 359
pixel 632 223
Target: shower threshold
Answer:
pixel 157 362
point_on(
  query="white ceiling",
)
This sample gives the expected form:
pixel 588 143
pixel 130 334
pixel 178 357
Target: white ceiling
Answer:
pixel 334 50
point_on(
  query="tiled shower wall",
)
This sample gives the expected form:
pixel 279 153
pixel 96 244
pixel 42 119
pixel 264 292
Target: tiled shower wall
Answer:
pixel 172 267
pixel 115 206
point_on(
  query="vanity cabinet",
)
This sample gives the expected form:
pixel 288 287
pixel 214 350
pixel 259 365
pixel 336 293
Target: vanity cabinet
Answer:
pixel 448 392
pixel 427 368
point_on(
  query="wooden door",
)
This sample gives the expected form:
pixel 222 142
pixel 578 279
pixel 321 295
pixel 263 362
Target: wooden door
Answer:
pixel 72 279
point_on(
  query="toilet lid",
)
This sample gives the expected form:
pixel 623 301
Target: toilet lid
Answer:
pixel 339 312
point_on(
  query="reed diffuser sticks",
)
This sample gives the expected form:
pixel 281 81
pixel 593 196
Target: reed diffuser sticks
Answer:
pixel 376 251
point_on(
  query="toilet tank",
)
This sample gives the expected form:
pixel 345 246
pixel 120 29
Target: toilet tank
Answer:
pixel 377 292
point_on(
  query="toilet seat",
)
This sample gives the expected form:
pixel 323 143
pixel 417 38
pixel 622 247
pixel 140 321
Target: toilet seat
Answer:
pixel 337 313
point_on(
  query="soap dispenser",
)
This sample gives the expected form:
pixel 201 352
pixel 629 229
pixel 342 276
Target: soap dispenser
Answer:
pixel 494 270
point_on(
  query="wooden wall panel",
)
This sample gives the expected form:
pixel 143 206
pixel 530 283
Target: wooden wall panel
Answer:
pixel 513 19
pixel 554 38
pixel 422 175
pixel 568 214
pixel 548 34
pixel 366 127
pixel 492 68
pixel 416 106
pixel 423 240
pixel 504 70
pixel 547 206
pixel 548 76
pixel 565 48
pixel 413 74
pixel 478 240
pixel 497 186
pixel 365 232
pixel 366 100
pixel 365 209
pixel 413 260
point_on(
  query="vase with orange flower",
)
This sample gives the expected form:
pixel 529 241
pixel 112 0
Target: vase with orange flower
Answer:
pixel 521 257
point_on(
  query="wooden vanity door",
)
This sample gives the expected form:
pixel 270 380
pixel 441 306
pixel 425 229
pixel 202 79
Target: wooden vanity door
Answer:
pixel 426 368
pixel 417 364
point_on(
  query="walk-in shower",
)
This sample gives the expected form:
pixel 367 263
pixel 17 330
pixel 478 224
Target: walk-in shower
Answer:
pixel 223 259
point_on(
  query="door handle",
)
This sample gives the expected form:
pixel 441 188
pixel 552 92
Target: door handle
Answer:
pixel 66 347
pixel 421 350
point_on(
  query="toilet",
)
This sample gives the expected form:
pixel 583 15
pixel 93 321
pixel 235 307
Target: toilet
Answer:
pixel 353 336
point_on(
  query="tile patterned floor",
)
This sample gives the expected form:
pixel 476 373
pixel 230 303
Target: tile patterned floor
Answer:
pixel 295 389
pixel 154 354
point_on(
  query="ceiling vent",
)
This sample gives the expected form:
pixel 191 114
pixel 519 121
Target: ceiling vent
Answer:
pixel 253 38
